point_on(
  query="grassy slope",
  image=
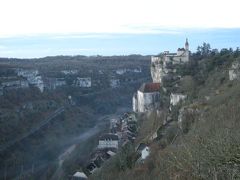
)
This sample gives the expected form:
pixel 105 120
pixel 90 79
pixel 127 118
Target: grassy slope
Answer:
pixel 211 148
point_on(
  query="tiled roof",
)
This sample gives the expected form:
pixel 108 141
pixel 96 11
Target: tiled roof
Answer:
pixel 150 87
pixel 108 136
pixel 181 49
pixel 141 147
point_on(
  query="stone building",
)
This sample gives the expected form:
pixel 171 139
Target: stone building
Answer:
pixel 147 97
pixel 160 64
pixel 53 83
pixel 144 151
pixel 108 140
pixel 32 77
pixel 15 84
pixel 83 82
pixel 163 69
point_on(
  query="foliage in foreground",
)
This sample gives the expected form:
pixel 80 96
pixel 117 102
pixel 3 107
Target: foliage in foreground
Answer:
pixel 211 147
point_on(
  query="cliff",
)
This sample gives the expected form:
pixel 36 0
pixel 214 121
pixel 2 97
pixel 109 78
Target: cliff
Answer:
pixel 199 137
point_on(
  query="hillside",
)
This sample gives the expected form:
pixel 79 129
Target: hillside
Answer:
pixel 201 139
pixel 50 104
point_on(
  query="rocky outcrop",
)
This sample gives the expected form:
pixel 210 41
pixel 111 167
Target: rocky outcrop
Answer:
pixel 176 98
pixel 234 71
pixel 164 72
pixel 159 69
pixel 187 115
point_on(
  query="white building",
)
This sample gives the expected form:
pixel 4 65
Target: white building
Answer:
pixel 137 70
pixel 70 72
pixel 53 83
pixel 27 73
pixel 144 151
pixel 147 98
pixel 79 176
pixel 121 71
pixel 33 77
pixel 83 82
pixel 37 82
pixel 15 84
pixel 108 140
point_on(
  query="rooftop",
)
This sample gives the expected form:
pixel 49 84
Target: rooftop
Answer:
pixel 141 146
pixel 108 136
pixel 150 87
pixel 80 175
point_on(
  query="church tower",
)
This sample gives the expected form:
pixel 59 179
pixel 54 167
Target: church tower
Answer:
pixel 186 45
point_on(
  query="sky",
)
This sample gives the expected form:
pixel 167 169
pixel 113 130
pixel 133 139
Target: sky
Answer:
pixel 37 28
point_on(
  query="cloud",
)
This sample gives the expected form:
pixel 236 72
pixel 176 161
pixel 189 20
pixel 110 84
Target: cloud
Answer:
pixel 81 36
pixel 28 17
pixel 2 47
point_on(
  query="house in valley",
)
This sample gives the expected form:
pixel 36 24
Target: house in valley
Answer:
pixel 143 150
pixel 108 140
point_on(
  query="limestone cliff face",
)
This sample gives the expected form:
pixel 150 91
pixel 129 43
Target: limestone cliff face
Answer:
pixel 161 65
pixel 176 98
pixel 163 72
pixel 158 69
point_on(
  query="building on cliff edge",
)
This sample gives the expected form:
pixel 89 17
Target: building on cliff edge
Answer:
pixel 147 98
pixel 160 64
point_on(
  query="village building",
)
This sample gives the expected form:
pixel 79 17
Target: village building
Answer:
pixel 15 84
pixel 32 77
pixel 27 73
pixel 144 151
pixel 111 153
pixel 83 82
pixel 137 70
pixel 79 176
pixel 121 71
pixel 53 83
pixel 69 72
pixel 160 64
pixel 37 82
pixel 108 140
pixel 147 98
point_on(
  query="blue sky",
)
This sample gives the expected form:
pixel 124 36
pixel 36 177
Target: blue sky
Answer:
pixel 115 43
pixel 38 28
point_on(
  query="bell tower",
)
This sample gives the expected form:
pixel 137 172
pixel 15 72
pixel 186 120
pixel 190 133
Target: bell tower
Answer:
pixel 186 45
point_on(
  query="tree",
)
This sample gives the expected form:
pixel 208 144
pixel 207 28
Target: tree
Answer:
pixel 204 50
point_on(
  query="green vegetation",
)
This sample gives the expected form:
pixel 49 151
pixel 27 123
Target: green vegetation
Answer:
pixel 206 145
pixel 22 110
